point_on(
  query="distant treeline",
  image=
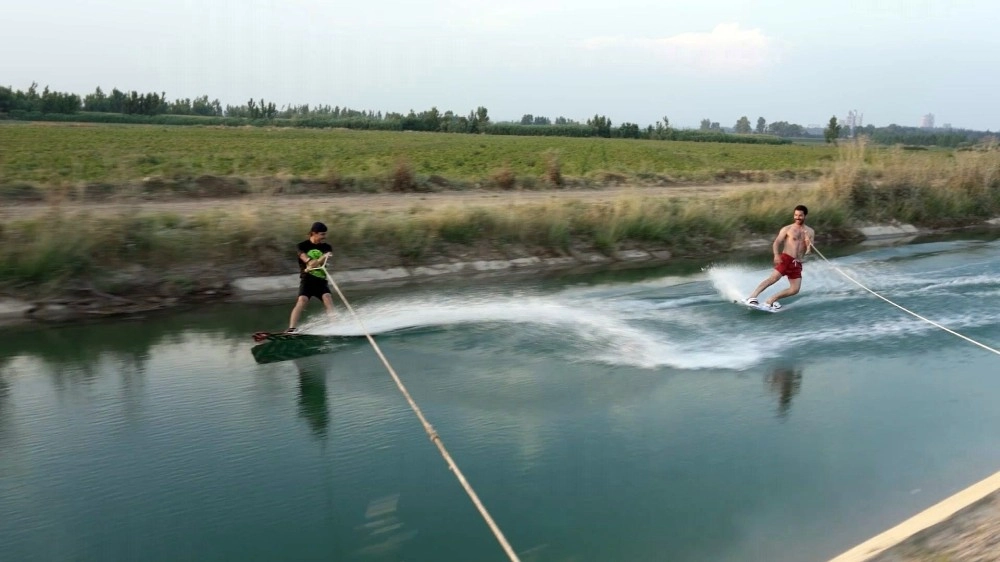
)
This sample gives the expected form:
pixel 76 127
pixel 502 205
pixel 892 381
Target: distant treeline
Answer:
pixel 155 108
pixel 895 134
pixel 46 102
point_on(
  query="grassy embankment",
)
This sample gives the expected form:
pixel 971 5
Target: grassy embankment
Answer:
pixel 932 188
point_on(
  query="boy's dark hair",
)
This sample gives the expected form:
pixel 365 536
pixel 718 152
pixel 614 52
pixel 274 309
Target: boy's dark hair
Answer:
pixel 802 208
pixel 317 227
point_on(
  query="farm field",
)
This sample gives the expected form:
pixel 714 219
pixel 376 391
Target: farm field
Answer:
pixel 61 154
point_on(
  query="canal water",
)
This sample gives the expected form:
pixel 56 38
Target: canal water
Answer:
pixel 617 416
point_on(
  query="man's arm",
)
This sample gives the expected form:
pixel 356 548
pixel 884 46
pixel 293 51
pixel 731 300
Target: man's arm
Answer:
pixel 810 236
pixel 777 242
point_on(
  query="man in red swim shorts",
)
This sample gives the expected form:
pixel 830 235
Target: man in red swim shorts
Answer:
pixel 797 240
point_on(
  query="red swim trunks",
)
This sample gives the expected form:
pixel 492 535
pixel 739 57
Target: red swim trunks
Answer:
pixel 790 267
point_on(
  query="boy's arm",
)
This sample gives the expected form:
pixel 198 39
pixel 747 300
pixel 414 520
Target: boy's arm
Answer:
pixel 303 258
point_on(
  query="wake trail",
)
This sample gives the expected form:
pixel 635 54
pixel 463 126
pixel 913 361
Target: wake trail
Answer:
pixel 626 332
pixel 687 322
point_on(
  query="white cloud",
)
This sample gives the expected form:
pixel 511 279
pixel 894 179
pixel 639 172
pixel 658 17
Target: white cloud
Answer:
pixel 728 47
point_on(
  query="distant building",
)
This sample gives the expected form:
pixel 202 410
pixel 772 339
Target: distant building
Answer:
pixel 853 121
pixel 927 122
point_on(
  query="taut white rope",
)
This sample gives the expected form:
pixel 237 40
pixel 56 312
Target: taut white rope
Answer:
pixel 910 312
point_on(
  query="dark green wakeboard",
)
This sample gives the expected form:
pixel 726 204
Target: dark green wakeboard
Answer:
pixel 280 346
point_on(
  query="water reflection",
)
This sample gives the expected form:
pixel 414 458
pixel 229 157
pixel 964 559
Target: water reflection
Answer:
pixel 4 392
pixel 312 396
pixel 132 373
pixel 383 532
pixel 4 385
pixel 72 350
pixel 786 382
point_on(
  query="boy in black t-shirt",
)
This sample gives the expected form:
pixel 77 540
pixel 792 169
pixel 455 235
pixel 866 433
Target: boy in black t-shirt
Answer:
pixel 311 253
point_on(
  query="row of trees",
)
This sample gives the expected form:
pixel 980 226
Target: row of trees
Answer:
pixel 32 101
pixel 20 104
pixel 782 129
pixel 134 103
pixel 895 134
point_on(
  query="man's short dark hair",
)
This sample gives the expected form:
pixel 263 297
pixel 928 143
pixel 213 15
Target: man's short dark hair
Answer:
pixel 318 227
pixel 802 208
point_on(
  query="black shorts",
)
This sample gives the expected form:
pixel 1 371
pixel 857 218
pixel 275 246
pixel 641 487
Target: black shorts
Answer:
pixel 312 286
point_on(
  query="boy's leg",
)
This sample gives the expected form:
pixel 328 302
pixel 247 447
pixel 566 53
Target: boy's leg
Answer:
pixel 328 303
pixel 300 305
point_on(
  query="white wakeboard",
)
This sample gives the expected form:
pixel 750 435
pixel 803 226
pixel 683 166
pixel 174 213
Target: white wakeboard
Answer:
pixel 762 307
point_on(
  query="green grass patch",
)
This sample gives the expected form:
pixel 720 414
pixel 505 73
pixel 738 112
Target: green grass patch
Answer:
pixel 47 154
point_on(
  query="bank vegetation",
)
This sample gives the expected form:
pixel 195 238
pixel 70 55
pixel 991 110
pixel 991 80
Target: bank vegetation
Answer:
pixel 73 246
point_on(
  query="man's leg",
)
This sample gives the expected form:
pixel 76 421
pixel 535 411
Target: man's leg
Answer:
pixel 771 280
pixel 300 305
pixel 793 288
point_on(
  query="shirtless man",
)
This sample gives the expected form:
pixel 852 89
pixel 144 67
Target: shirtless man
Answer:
pixel 797 238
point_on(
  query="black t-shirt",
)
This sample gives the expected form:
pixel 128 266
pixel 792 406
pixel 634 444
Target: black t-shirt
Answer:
pixel 304 247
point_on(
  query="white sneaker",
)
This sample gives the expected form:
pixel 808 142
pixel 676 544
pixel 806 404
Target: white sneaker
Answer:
pixel 753 301
pixel 775 305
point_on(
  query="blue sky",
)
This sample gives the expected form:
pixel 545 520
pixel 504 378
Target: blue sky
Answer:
pixel 632 60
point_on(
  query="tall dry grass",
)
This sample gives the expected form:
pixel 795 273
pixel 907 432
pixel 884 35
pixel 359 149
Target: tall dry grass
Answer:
pixel 931 188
